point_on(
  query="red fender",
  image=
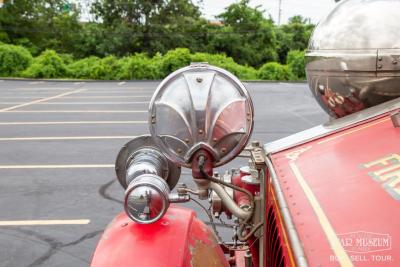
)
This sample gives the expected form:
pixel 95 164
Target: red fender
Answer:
pixel 178 239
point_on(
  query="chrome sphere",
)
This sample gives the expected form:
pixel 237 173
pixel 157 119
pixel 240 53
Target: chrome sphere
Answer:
pixel 353 60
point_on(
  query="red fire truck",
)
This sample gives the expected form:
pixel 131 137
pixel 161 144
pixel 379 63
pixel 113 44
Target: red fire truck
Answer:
pixel 328 196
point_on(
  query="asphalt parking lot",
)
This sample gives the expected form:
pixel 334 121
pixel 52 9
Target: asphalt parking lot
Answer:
pixel 58 143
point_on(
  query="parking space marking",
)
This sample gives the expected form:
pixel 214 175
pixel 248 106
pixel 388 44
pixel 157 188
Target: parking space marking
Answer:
pixel 81 103
pixel 75 111
pixel 70 122
pixel 107 97
pixel 129 93
pixel 54 138
pixel 121 83
pixel 52 89
pixel 94 103
pixel 71 166
pixel 78 97
pixel 41 100
pixel 45 222
pixel 38 82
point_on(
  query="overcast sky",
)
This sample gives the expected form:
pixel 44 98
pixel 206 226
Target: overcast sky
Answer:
pixel 313 9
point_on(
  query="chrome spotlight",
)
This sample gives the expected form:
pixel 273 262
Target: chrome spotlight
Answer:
pixel 201 107
pixel 147 199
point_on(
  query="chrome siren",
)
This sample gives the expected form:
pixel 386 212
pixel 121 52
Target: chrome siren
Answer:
pixel 353 60
pixel 201 107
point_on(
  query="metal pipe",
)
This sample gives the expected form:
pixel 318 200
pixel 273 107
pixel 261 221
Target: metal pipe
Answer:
pixel 229 202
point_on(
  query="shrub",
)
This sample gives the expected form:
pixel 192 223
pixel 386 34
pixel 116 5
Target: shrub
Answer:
pixel 222 61
pixel 13 60
pixel 275 72
pixel 297 63
pixel 67 58
pixel 141 67
pixel 87 68
pixel 48 65
pixel 175 59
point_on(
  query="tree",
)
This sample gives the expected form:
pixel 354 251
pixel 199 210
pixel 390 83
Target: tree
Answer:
pixel 39 24
pixel 246 36
pixel 293 36
pixel 150 26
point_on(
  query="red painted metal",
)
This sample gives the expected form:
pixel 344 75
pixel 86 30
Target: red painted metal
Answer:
pixel 353 176
pixel 276 244
pixel 240 198
pixel 178 239
pixel 239 258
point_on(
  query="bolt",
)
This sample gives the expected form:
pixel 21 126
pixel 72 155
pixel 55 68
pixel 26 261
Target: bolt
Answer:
pixel 255 144
pixel 380 66
pixel 199 80
pixel 179 150
pixel 380 58
pixel 215 139
pixel 187 140
pixel 395 62
pixel 201 131
pixel 223 150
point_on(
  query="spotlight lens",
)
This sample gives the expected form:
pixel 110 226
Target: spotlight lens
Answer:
pixel 146 199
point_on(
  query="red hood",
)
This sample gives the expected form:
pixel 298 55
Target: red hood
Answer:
pixel 343 194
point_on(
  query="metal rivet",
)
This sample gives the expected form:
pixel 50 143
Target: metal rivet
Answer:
pixel 223 150
pixel 179 150
pixel 215 139
pixel 199 80
pixel 201 131
pixel 395 62
pixel 380 66
pixel 380 58
pixel 187 140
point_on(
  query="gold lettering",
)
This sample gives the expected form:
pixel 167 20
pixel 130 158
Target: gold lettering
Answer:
pixel 393 184
pixel 389 176
pixel 384 162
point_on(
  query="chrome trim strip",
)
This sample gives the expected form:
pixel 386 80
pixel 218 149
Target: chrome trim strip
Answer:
pixel 293 237
pixel 331 127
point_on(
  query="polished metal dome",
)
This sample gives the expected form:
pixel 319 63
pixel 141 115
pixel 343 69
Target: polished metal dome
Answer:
pixel 353 60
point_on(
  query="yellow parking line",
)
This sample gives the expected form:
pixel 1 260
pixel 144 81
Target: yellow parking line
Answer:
pixel 45 222
pixel 70 122
pixel 76 111
pixel 71 166
pixel 40 100
pixel 51 138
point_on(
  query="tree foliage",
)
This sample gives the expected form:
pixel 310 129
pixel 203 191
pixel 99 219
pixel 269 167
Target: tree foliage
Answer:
pixel 248 37
pixel 150 29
